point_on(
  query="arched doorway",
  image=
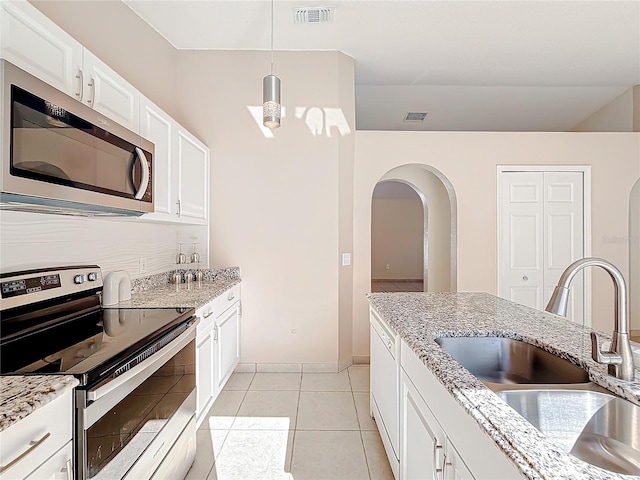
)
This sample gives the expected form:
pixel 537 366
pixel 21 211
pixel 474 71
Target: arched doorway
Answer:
pixel 398 238
pixel 439 240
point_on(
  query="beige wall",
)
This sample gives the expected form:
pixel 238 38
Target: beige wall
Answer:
pixel 622 114
pixel 469 160
pixel 634 258
pixel 397 238
pixel 276 202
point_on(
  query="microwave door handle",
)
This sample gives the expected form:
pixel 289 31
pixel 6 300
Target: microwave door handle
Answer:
pixel 144 182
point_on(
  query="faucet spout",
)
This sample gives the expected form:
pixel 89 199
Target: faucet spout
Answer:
pixel 619 358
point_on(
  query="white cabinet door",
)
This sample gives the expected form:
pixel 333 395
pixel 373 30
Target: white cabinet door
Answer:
pixel 109 93
pixel 227 335
pixel 58 467
pixel 193 161
pixel 454 467
pixel 422 440
pixel 204 374
pixel 159 128
pixel 31 41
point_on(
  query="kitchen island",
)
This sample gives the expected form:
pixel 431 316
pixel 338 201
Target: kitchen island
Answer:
pixel 419 318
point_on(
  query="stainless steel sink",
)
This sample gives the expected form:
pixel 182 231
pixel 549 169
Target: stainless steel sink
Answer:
pixel 507 361
pixel 598 428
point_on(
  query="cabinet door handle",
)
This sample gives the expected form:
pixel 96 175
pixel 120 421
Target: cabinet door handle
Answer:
pixel 207 315
pixel 231 297
pixel 80 76
pixel 178 203
pixel 33 444
pixel 215 332
pixel 436 470
pixel 68 469
pixel 92 84
pixel 444 468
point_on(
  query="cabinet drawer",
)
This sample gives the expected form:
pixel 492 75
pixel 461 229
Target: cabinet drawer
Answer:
pixel 31 441
pixel 220 304
pixel 58 467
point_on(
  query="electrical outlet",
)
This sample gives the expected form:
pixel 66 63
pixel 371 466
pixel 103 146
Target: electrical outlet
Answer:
pixel 387 267
pixel 142 265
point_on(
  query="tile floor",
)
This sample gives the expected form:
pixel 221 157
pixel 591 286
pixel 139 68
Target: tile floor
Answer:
pixel 292 426
pixel 396 286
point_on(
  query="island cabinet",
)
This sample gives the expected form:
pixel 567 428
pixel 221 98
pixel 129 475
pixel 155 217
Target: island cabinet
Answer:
pixel 438 438
pixel 36 447
pixel 217 348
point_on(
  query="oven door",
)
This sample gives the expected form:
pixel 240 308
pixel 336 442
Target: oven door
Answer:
pixel 127 425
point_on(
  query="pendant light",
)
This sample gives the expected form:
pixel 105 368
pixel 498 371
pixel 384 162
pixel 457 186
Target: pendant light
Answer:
pixel 271 92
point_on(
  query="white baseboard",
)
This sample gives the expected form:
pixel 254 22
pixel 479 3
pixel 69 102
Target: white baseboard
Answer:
pixel 296 367
pixel 279 367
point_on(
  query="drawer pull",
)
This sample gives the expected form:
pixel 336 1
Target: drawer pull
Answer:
pixel 33 444
pixel 231 297
pixel 207 315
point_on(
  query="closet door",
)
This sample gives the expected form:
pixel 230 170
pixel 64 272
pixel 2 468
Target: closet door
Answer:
pixel 541 232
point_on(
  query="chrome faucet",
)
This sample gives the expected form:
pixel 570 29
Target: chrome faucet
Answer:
pixel 619 358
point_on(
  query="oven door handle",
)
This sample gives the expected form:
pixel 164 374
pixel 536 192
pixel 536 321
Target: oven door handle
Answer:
pixel 117 389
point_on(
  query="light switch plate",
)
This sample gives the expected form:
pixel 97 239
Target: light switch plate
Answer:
pixel 346 259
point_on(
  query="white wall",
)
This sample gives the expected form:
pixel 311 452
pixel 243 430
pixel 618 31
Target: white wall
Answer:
pixel 634 258
pixel 397 238
pixel 39 240
pixel 469 160
pixel 276 203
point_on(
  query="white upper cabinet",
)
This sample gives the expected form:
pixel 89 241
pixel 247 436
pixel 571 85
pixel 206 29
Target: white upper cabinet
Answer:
pixel 193 158
pixel 110 94
pixel 180 166
pixel 31 41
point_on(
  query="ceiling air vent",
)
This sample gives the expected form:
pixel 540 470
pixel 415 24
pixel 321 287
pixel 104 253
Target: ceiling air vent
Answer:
pixel 313 15
pixel 415 116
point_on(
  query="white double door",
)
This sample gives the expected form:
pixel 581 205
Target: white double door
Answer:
pixel 541 232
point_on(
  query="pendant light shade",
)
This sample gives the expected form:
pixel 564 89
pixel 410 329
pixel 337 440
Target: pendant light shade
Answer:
pixel 271 101
pixel 271 92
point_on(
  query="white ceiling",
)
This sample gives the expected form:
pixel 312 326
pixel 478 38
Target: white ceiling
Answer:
pixel 473 65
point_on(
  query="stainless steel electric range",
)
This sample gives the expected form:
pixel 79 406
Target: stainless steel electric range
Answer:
pixel 135 405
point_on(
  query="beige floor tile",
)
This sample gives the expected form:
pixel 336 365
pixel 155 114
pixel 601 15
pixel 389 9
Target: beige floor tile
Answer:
pixel 267 410
pixel 276 381
pixel 223 411
pixel 239 381
pixel 359 378
pixel 363 410
pixel 377 460
pixel 208 446
pixel 326 382
pixel 326 411
pixel 328 456
pixel 253 454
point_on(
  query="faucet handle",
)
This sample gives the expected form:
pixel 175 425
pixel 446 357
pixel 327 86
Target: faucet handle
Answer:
pixel 605 358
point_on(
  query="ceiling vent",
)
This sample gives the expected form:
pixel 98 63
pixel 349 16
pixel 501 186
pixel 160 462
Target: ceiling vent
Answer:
pixel 415 116
pixel 313 15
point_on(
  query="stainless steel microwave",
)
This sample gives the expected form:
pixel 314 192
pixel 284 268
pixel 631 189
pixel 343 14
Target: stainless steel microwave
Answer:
pixel 60 156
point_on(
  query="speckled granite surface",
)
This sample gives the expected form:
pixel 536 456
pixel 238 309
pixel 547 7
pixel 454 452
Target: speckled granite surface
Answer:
pixel 420 317
pixel 185 295
pixel 162 279
pixel 21 395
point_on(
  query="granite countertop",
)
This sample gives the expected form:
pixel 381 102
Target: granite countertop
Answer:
pixel 420 317
pixel 22 395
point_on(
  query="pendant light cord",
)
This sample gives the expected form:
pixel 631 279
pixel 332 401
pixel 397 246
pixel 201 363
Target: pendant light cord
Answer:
pixel 271 37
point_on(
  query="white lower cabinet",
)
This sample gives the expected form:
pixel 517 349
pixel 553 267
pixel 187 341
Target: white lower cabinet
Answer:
pixel 58 467
pixel 217 348
pixel 36 446
pixel 454 467
pixel 422 441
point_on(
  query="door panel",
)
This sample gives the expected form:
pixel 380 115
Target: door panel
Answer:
pixel 542 232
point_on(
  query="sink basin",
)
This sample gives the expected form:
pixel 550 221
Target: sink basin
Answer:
pixel 508 361
pixel 598 428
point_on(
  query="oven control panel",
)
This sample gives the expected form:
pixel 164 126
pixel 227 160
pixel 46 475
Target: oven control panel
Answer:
pixel 31 286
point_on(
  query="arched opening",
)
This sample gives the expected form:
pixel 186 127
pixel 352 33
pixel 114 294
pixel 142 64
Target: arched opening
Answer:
pixel 398 233
pixel 439 232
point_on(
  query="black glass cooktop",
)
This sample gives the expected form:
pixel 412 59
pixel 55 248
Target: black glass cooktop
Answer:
pixel 86 341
